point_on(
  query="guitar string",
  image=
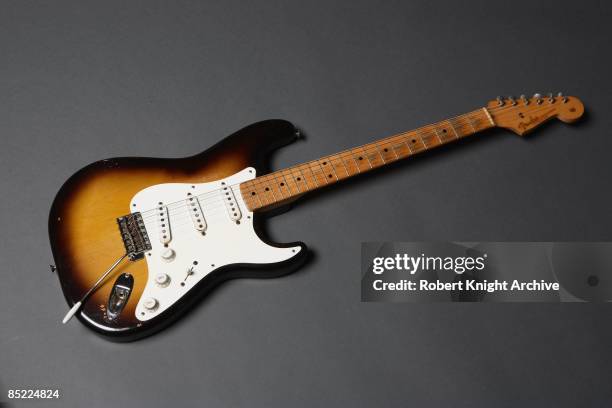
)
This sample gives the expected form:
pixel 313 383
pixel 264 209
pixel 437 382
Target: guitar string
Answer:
pixel 292 174
pixel 206 197
pixel 210 211
pixel 387 142
pixel 184 217
pixel 375 145
pixel 294 171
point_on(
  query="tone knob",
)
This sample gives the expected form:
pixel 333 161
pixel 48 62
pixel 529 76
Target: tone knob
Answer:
pixel 168 254
pixel 150 304
pixel 162 279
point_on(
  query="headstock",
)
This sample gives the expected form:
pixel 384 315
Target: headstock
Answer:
pixel 525 114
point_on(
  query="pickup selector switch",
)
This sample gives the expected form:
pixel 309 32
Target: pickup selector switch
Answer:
pixel 150 304
pixel 162 279
pixel 168 254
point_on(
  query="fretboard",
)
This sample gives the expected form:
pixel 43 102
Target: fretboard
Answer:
pixel 284 185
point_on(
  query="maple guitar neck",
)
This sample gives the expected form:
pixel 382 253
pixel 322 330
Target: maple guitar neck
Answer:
pixel 519 115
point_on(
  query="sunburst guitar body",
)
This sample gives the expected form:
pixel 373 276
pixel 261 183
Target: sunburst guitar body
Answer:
pixel 198 229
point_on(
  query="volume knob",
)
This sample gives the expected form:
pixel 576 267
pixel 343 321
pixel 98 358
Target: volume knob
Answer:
pixel 150 304
pixel 162 279
pixel 168 254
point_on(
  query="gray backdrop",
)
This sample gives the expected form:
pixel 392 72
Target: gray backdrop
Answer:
pixel 83 81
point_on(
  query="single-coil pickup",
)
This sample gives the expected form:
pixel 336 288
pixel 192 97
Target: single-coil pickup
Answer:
pixel 197 216
pixel 231 205
pixel 163 224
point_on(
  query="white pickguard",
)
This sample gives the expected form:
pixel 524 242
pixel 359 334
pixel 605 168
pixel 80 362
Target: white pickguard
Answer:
pixel 225 241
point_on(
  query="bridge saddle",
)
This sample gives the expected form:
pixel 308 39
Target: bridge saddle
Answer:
pixel 134 235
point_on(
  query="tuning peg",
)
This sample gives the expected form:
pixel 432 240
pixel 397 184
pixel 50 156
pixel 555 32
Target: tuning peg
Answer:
pixel 524 99
pixel 550 98
pixel 538 98
pixel 512 100
pixel 563 97
pixel 500 101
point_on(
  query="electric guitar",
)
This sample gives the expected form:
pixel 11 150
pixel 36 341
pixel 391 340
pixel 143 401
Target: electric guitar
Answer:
pixel 136 241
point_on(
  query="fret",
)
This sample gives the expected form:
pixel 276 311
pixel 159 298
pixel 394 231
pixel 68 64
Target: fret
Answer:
pixel 421 139
pixel 465 126
pixel 267 194
pixel 313 175
pixel 407 143
pixel 323 175
pixel 479 123
pixel 481 120
pixel 476 121
pixel 401 148
pixel 327 165
pixel 453 128
pixel 275 187
pixel 438 135
pixel 395 152
pixel 274 195
pixel 251 200
pixel 323 172
pixel 248 200
pixel 257 196
pixel 414 144
pixel 266 190
pixel 317 170
pixel 255 192
pixel 380 154
pixel 445 134
pixel 292 183
pixel 429 139
pixel 301 177
pixel 353 163
pixel 356 162
pixel 297 187
pixel 309 178
pixel 282 185
pixel 471 122
pixel 373 157
pixel 290 178
pixel 345 168
pixel 368 156
pixel 387 153
pixel 339 169
pixel 365 156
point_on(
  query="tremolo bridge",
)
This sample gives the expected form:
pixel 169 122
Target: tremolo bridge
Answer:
pixel 134 235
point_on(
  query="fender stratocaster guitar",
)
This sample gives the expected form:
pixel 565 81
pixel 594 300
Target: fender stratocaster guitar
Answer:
pixel 137 240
